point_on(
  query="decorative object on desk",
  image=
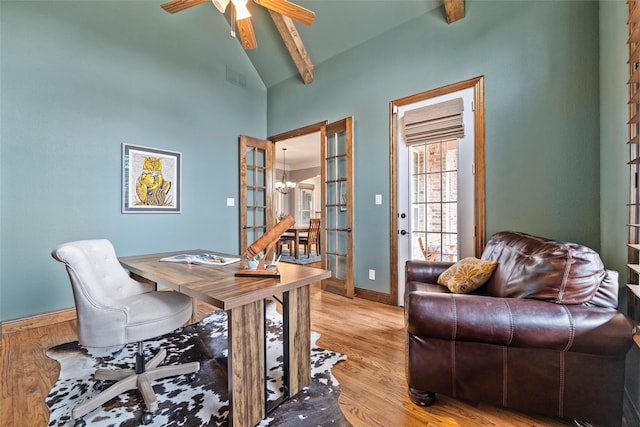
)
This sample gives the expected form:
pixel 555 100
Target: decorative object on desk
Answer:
pixel 151 180
pixel 284 186
pixel 265 243
pixel 203 401
pixel 203 258
pixel 252 263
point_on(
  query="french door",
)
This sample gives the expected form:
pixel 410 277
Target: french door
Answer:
pixel 337 217
pixel 257 167
pixel 336 211
pixel 256 188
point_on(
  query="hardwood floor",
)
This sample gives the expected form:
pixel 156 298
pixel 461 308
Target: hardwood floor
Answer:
pixel 372 378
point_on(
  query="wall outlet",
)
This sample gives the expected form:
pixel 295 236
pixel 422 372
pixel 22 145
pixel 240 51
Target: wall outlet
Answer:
pixel 231 201
pixel 378 199
pixel 372 275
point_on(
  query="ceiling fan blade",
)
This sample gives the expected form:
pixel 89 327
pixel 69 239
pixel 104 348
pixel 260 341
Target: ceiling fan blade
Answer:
pixel 289 9
pixel 247 37
pixel 174 6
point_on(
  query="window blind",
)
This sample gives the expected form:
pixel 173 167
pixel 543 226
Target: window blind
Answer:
pixel 434 122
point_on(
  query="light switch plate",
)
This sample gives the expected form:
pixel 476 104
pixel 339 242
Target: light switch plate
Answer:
pixel 231 201
pixel 378 199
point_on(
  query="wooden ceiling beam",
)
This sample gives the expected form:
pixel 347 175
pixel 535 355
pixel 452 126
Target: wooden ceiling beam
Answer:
pixel 294 44
pixel 247 36
pixel 454 9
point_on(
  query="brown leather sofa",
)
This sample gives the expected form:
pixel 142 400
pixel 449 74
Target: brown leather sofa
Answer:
pixel 543 335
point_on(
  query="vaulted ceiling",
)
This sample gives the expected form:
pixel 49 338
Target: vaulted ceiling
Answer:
pixel 339 25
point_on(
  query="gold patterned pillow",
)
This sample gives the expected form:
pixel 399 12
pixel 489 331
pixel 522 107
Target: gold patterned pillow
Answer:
pixel 467 275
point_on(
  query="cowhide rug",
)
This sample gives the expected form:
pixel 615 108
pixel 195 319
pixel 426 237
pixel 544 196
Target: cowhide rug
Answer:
pixel 203 401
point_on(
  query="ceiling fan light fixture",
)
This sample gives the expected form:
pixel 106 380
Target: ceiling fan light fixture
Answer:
pixel 241 9
pixel 221 5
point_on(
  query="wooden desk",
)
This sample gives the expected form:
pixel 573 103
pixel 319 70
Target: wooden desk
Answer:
pixel 242 298
pixel 296 230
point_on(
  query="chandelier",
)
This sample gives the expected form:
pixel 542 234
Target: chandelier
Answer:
pixel 284 186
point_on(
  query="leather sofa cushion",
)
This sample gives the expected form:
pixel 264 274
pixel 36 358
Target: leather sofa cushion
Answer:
pixel 538 268
pixel 519 323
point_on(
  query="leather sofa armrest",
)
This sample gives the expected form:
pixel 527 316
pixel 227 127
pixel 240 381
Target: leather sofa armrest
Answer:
pixel 522 323
pixel 607 294
pixel 425 271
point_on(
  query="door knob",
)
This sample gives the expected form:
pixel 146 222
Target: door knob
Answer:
pixel 403 232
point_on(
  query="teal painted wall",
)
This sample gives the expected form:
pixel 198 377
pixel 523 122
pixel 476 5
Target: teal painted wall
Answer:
pixel 614 132
pixel 540 62
pixel 77 80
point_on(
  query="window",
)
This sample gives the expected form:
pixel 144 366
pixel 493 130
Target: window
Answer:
pixel 305 212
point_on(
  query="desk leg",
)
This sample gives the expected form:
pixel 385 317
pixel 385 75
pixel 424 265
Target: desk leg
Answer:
pixel 299 333
pixel 141 279
pixel 194 310
pixel 246 365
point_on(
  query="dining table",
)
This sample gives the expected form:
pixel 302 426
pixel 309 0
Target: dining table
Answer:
pixel 295 232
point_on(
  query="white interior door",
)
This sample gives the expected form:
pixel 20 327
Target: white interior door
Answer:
pixel 435 193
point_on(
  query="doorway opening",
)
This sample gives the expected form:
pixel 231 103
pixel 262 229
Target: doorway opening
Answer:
pixel 327 203
pixel 299 159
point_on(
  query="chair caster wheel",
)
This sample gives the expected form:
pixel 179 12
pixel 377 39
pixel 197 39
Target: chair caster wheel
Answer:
pixel 79 423
pixel 147 418
pixel 98 386
pixel 191 377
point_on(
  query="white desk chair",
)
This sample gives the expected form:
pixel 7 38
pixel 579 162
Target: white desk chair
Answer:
pixel 114 309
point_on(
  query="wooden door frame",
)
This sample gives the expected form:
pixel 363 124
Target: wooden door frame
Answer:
pixel 305 130
pixel 477 83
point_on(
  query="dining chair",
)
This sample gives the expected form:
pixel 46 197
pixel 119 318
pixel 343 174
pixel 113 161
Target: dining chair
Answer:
pixel 114 309
pixel 312 237
pixel 285 240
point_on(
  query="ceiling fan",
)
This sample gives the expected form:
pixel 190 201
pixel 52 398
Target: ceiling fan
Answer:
pixel 242 15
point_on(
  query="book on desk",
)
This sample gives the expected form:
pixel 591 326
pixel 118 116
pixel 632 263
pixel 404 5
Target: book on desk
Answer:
pixel 203 258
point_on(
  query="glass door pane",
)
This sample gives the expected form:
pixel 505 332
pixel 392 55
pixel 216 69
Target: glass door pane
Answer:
pixel 256 182
pixel 338 206
pixel 434 201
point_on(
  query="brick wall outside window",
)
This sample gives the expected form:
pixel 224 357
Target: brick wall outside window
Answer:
pixel 435 194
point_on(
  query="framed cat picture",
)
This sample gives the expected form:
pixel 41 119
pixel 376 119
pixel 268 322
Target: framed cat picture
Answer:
pixel 151 180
